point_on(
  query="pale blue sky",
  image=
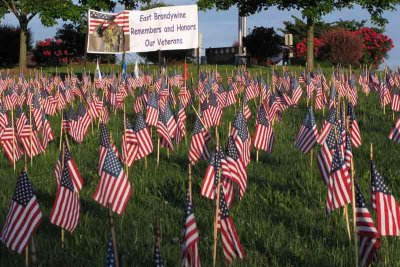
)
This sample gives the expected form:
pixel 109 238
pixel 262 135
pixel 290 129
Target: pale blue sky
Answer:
pixel 219 28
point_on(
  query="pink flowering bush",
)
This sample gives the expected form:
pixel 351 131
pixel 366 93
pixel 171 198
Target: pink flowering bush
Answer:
pixel 51 52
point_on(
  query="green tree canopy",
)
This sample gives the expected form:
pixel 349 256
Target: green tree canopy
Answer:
pixel 51 10
pixel 312 10
pixel 263 43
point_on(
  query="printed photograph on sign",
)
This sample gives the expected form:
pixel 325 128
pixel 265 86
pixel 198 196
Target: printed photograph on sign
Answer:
pixel 108 33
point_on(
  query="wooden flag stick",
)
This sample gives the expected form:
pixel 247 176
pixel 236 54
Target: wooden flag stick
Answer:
pixel 354 212
pixel 62 169
pixel 158 151
pixel 114 241
pixel 190 182
pixel 216 207
pixel 30 134
pixel 311 157
pixel 61 129
pixel 13 138
pixel 125 154
pixel 216 220
pixel 371 153
pixel 27 256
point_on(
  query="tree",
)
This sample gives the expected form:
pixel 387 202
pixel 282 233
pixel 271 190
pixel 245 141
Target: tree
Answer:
pixel 9 52
pixel 298 27
pixel 73 38
pixel 341 46
pixel 263 43
pixel 51 10
pixel 312 10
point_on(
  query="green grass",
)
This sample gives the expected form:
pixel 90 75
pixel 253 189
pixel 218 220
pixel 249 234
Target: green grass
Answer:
pixel 281 220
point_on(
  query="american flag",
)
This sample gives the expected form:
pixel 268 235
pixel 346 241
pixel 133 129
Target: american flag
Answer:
pixel 129 144
pixel 385 205
pixel 101 20
pixel 3 117
pixel 264 133
pixel 69 162
pixel 297 91
pixel 145 144
pixel 395 132
pixel 211 176
pixel 275 108
pixel 310 86
pixel 114 188
pixel 184 96
pixel 21 119
pixel 37 112
pixel 368 236
pixel 230 96
pixel 231 245
pixel 339 192
pixel 180 120
pixel 190 250
pixel 246 108
pixel 104 141
pixel 8 141
pixel 327 126
pixel 324 157
pixel 308 133
pixel 198 146
pixel 348 151
pixel 215 108
pixel 66 208
pixel 30 140
pixel 110 257
pixel 242 137
pixel 352 91
pixel 237 168
pixel 320 100
pixel 221 95
pixel 384 94
pixel 152 110
pixel 353 125
pixel 396 99
pixel 23 218
pixel 332 97
pixel 162 130
pixel 170 121
pixel 84 121
pixel 73 124
pixel 140 100
pixel 206 115
pixel 47 132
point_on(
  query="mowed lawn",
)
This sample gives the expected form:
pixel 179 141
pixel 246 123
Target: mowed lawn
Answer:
pixel 281 220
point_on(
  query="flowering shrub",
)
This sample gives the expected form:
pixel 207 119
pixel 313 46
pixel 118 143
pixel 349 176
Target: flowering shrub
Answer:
pixel 342 47
pixel 51 51
pixel 376 45
pixel 301 48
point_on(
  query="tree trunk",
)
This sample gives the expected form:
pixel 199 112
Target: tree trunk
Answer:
pixel 310 43
pixel 22 45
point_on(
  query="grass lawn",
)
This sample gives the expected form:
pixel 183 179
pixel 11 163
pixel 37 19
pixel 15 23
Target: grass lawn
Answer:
pixel 281 220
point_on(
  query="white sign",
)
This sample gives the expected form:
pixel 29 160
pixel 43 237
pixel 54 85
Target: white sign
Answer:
pixel 163 28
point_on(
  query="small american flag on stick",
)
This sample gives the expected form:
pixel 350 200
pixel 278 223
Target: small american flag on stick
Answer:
pixel 23 218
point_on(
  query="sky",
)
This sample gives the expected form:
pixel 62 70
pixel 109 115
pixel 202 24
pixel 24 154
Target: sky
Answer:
pixel 219 28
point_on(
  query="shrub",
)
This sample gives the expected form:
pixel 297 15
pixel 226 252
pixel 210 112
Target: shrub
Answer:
pixel 301 47
pixel 377 45
pixel 9 44
pixel 263 43
pixel 342 47
pixel 50 52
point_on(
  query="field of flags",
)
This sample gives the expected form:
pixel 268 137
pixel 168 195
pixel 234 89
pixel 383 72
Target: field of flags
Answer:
pixel 227 166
